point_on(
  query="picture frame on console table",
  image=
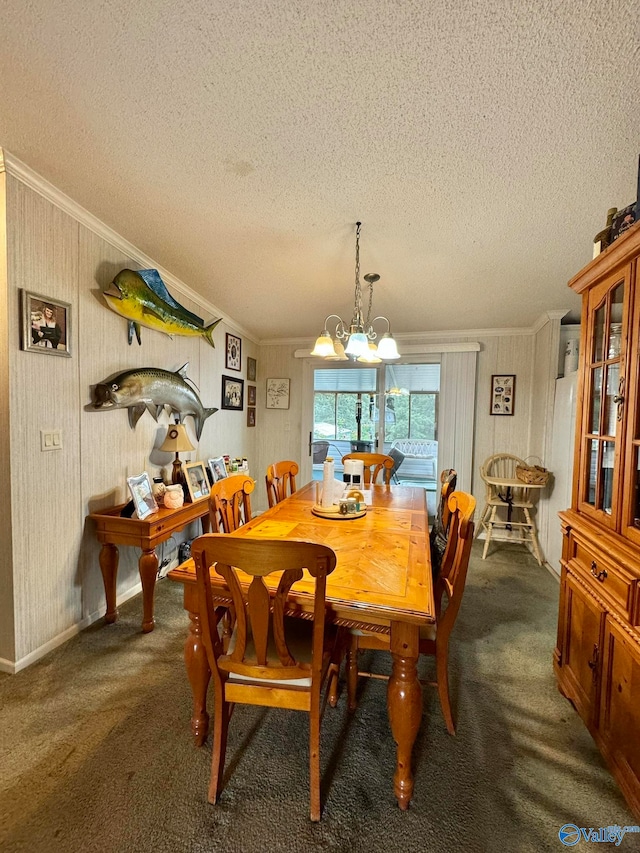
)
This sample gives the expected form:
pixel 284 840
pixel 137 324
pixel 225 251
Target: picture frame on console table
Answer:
pixel 218 468
pixel 142 495
pixel 197 481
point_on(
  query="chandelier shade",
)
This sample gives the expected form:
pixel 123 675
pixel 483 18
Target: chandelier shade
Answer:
pixel 356 340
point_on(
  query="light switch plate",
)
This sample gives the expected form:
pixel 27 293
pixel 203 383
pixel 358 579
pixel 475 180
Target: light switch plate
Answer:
pixel 50 439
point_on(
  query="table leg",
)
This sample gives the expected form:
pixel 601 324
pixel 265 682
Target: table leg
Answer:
pixel 109 566
pixel 148 568
pixel 199 674
pixel 404 704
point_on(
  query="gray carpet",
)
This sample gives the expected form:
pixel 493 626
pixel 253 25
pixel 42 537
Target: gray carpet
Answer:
pixel 97 753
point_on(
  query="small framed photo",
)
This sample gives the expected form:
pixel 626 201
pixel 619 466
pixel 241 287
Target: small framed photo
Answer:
pixel 503 393
pixel 251 369
pixel 46 324
pixel 251 395
pixel 218 469
pixel 232 393
pixel 234 352
pixel 142 495
pixel 197 481
pixel 251 416
pixel 278 393
pixel 623 220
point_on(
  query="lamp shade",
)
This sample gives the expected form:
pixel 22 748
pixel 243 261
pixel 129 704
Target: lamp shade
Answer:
pixel 371 356
pixel 176 439
pixel 358 344
pixel 340 354
pixel 324 346
pixel 387 348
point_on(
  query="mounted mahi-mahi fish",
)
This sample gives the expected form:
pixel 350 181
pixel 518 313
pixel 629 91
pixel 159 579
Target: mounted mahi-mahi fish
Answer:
pixel 142 297
pixel 152 389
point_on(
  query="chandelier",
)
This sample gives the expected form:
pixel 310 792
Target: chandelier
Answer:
pixel 359 334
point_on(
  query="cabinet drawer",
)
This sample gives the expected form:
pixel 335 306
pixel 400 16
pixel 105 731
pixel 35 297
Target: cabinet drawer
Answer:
pixel 606 579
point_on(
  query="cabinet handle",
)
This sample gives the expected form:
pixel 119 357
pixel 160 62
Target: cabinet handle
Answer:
pixel 593 663
pixel 598 575
pixel 619 398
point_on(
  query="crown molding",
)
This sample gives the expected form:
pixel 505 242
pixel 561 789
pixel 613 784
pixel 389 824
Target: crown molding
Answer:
pixel 427 339
pixel 417 349
pixel 17 169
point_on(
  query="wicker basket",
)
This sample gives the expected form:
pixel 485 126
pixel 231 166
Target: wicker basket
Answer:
pixel 532 474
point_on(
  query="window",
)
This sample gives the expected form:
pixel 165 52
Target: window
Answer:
pixel 412 415
pixel 347 403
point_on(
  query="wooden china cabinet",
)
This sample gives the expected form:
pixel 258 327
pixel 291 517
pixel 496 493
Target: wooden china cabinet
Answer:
pixel 597 658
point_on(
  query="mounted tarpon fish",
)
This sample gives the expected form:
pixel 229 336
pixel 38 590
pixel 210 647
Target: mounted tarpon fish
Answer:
pixel 142 297
pixel 152 389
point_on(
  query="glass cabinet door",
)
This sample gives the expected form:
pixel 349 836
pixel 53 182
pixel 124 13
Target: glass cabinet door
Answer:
pixel 604 409
pixel 631 473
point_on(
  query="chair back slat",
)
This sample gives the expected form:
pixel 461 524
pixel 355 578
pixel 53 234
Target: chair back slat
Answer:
pixel 260 614
pixel 374 463
pixel 281 481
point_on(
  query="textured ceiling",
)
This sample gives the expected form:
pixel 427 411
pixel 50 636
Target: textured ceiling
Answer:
pixel 480 143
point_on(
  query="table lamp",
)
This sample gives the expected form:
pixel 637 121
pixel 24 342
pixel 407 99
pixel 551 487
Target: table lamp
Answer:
pixel 176 441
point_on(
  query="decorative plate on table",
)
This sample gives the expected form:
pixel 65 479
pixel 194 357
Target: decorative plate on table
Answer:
pixel 334 512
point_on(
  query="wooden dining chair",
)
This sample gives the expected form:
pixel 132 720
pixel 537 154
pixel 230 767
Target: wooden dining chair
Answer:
pixel 439 532
pixel 230 503
pixel 281 481
pixel 273 661
pixel 434 639
pixel 374 463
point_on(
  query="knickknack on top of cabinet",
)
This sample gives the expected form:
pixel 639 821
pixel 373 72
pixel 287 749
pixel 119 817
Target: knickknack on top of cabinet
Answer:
pixel 597 657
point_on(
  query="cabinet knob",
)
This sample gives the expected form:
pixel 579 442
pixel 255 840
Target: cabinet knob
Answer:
pixel 598 575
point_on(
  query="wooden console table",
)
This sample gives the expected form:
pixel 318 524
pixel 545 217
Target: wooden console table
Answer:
pixel 113 530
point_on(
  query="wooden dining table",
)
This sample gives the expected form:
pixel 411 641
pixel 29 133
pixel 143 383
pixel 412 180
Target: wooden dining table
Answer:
pixel 382 583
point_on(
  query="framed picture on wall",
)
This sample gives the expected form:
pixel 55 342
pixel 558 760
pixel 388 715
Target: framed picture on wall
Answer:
pixel 251 395
pixel 503 393
pixel 234 352
pixel 46 324
pixel 251 416
pixel 232 393
pixel 277 393
pixel 251 369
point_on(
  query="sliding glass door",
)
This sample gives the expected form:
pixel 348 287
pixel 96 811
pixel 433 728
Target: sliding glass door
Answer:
pixel 378 409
